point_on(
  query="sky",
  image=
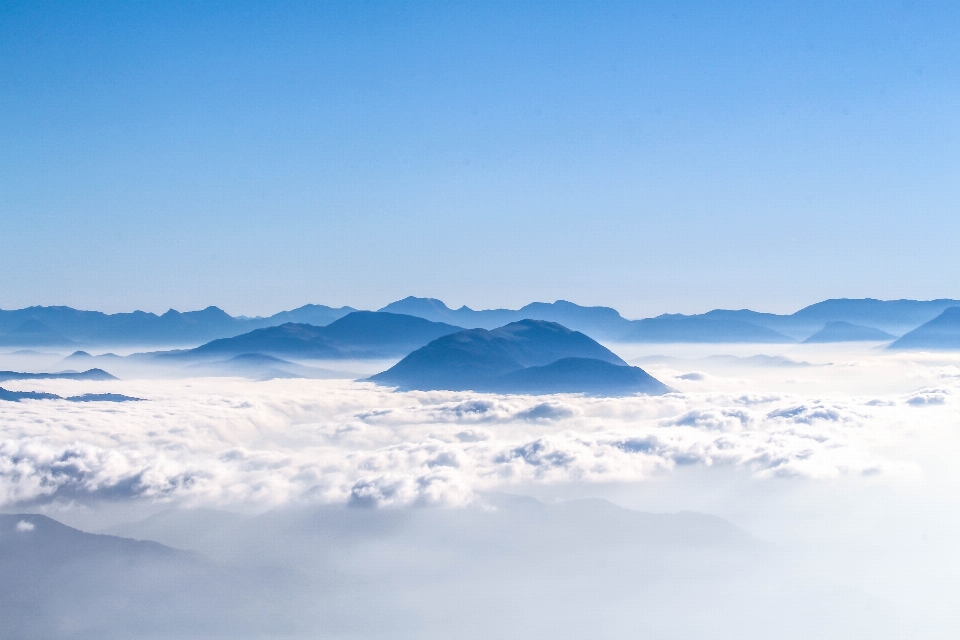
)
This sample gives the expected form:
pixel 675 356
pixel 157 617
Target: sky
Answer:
pixel 654 157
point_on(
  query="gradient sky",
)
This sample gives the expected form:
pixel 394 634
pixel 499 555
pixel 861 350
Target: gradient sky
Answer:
pixel 655 157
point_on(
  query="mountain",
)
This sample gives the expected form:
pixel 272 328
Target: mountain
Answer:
pixel 315 314
pixel 90 374
pixel 602 323
pixel 679 328
pixel 59 582
pixel 361 334
pixel 483 360
pixel 840 331
pixel 32 332
pixel 58 326
pixel 258 366
pixel 304 340
pixel 943 332
pixel 579 375
pixel 17 396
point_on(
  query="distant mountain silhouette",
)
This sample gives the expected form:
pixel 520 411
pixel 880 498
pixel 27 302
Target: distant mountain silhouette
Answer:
pixel 361 334
pixel 840 331
pixel 304 340
pixel 943 332
pixel 258 366
pixel 32 332
pixel 62 326
pixel 677 328
pixel 481 360
pixel 602 323
pixel 90 374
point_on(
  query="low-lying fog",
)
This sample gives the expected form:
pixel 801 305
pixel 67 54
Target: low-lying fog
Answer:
pixel 824 485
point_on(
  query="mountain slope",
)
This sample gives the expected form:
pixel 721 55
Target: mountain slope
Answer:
pixel 530 356
pixel 840 331
pixel 602 323
pixel 361 334
pixel 579 375
pixel 943 332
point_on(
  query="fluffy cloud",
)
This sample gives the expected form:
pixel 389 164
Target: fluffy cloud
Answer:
pixel 224 441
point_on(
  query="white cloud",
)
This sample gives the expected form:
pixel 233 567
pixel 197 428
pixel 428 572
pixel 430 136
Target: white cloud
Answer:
pixel 225 441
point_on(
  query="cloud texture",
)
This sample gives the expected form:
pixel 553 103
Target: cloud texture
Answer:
pixel 221 442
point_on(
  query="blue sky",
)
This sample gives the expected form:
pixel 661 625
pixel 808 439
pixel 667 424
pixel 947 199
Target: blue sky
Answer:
pixel 655 157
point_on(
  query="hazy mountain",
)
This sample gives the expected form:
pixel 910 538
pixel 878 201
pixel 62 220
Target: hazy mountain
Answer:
pixel 90 374
pixel 53 326
pixel 58 582
pixel 498 360
pixel 361 334
pixel 602 323
pixel 315 314
pixel 32 332
pixel 943 332
pixel 678 328
pixel 724 361
pixel 62 326
pixel 258 366
pixel 840 331
pixel 303 340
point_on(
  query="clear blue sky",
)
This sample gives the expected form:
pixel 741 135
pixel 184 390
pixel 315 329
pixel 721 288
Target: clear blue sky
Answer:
pixel 649 156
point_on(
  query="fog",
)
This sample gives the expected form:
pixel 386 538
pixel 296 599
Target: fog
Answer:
pixel 763 498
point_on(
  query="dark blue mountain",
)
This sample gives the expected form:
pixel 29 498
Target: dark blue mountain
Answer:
pixel 840 331
pixel 477 359
pixel 943 332
pixel 361 334
pixel 90 374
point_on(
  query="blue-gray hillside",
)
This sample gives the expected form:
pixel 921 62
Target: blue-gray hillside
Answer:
pixel 840 331
pixel 481 360
pixel 361 334
pixel 943 332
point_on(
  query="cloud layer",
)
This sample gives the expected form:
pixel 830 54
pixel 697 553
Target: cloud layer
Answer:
pixel 223 442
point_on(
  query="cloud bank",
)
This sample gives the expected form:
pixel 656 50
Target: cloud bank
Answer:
pixel 222 442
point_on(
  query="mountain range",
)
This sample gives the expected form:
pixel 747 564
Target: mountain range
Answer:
pixel 878 320
pixel 528 356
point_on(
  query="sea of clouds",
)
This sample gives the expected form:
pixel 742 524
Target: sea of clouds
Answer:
pixel 842 471
pixel 236 443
